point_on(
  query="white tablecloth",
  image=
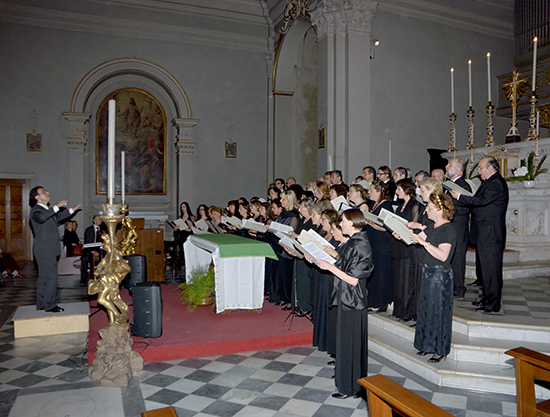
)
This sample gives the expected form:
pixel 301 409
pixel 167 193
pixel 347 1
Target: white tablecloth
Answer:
pixel 239 280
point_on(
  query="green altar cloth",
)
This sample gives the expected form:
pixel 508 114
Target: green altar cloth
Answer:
pixel 232 246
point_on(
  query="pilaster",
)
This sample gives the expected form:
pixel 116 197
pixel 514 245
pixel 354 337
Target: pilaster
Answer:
pixel 77 132
pixel 343 30
pixel 185 145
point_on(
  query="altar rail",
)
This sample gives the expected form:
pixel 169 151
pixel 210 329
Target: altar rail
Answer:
pixel 386 396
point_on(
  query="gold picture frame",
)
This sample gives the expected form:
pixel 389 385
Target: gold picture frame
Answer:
pixel 141 133
pixel 322 138
pixel 230 149
pixel 34 142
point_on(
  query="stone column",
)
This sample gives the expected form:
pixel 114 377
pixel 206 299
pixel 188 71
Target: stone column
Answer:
pixel 77 141
pixel 185 145
pixel 343 32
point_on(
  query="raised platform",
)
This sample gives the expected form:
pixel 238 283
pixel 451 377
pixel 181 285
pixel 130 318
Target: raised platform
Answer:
pixel 477 360
pixel 28 322
pixel 512 267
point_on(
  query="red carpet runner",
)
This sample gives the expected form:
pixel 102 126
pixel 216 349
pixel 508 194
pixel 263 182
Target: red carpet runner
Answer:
pixel 204 333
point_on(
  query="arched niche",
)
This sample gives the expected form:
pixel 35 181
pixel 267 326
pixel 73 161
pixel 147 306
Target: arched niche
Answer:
pixel 295 103
pixel 81 123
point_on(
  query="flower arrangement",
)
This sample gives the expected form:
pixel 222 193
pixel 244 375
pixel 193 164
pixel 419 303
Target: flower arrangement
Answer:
pixel 527 170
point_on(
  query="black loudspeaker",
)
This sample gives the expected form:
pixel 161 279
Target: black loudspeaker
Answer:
pixel 138 274
pixel 147 303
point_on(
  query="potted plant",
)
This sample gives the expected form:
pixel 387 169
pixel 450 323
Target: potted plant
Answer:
pixel 200 290
pixel 527 172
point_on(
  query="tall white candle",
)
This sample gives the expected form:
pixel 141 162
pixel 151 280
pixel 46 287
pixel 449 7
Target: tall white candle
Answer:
pixel 452 90
pixel 122 175
pixel 489 75
pixel 111 150
pixel 389 152
pixel 535 41
pixel 470 83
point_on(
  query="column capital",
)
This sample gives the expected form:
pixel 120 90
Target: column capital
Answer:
pixel 77 132
pixel 342 15
pixel 184 143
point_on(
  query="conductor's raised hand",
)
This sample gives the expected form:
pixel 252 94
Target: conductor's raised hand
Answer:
pixel 75 208
pixel 61 203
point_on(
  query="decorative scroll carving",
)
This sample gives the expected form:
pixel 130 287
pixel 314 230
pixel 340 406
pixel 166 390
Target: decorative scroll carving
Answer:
pixel 77 132
pixel 544 115
pixel 343 15
pixel 295 9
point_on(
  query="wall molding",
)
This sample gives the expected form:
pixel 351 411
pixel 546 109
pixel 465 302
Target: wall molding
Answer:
pixel 64 20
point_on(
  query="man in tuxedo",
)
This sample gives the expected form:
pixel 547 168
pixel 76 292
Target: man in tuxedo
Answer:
pixel 438 174
pixel 488 231
pixel 92 234
pixel 336 178
pixel 46 248
pixel 384 175
pixel 455 172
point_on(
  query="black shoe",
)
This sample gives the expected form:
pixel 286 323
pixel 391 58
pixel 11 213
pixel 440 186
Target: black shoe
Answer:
pixel 437 359
pixel 55 309
pixel 474 284
pixel 332 362
pixel 421 353
pixel 477 303
pixel 340 396
pixel 280 303
pixel 483 310
pixel 286 308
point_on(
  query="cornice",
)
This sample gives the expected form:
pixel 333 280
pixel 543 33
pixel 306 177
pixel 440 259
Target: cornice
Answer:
pixel 451 16
pixel 34 16
pixel 237 10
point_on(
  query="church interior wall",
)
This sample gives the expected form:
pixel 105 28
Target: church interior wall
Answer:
pixel 226 87
pixel 411 97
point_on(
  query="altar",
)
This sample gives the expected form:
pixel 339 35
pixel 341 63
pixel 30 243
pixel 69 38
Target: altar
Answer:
pixel 239 266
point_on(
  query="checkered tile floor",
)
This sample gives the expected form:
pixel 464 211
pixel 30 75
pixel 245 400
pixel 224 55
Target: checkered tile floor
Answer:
pixel 278 383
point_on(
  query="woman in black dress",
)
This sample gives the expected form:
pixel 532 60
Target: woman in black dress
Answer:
pixel 406 268
pixel 380 284
pixel 435 302
pixel 70 238
pixel 358 197
pixel 349 294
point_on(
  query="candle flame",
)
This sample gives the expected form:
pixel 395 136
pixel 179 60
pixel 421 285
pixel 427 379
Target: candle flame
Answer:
pixel 488 54
pixel 535 40
pixel 469 61
pixel 452 70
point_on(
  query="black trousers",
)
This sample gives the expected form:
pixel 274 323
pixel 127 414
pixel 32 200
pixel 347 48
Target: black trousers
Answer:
pixel 489 258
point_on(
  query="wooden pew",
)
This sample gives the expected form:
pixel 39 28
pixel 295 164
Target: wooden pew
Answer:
pixel 385 396
pixel 530 364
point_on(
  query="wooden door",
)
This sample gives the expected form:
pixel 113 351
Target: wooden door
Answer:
pixel 15 235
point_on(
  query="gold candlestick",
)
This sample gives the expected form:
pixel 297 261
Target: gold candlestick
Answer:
pixel 470 113
pixel 532 118
pixel 452 134
pixel 490 126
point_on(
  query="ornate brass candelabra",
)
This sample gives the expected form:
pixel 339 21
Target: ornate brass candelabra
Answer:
pixel 470 113
pixel 452 135
pixel 111 270
pixel 490 127
pixel 532 118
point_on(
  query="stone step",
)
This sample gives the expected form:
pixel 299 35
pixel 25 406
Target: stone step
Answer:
pixel 473 363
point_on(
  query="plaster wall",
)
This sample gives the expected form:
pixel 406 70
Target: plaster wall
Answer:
pixel 410 91
pixel 41 67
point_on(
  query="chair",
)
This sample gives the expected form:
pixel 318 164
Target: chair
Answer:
pixel 65 266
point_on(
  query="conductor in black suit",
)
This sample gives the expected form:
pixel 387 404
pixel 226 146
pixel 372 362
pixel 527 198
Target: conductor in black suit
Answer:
pixel 46 248
pixel 488 231
pixel 460 222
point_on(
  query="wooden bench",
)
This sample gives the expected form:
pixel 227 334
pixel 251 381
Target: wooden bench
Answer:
pixel 530 364
pixel 385 396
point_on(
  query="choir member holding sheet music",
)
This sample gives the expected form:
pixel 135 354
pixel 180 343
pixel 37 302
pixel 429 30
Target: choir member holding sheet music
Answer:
pixel 182 229
pixel 358 197
pixel 202 212
pixel 380 284
pixel 405 257
pixel 322 191
pixel 281 292
pixel 427 187
pixel 215 214
pixel 349 296
pixel 322 285
pixel 435 302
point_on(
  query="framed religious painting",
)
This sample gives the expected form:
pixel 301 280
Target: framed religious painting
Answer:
pixel 34 142
pixel 140 127
pixel 230 149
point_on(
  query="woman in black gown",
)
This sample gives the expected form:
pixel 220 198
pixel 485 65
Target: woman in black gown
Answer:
pixel 349 294
pixel 358 196
pixel 70 238
pixel 302 290
pixel 406 268
pixel 380 284
pixel 435 302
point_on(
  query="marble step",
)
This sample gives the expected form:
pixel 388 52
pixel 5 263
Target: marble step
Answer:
pixel 473 363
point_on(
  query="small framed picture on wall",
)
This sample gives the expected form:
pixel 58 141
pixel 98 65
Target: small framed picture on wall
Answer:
pixel 322 138
pixel 230 149
pixel 34 142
